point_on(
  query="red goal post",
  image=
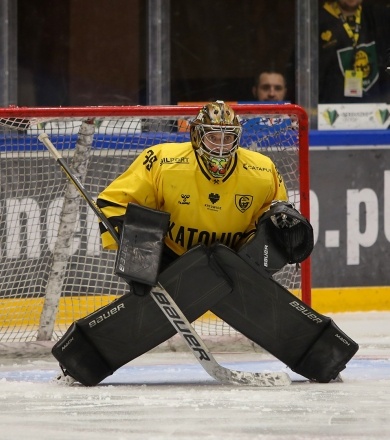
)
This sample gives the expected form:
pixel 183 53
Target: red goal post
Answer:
pixel 52 267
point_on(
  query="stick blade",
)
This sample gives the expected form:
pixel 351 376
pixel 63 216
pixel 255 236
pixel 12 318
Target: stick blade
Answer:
pixel 263 379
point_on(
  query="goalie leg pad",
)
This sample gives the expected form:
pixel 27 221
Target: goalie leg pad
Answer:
pixel 141 244
pixel 132 325
pixel 328 355
pixel 83 361
pixel 272 317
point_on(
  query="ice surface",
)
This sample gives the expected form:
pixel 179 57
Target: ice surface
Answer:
pixel 169 396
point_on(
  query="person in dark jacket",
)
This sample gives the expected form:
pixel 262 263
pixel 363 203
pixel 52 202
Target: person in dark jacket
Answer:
pixel 353 39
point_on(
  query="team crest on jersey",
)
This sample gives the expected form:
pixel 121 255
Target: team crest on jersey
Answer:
pixel 243 202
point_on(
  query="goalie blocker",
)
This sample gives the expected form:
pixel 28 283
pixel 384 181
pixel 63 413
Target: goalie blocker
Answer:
pixel 237 287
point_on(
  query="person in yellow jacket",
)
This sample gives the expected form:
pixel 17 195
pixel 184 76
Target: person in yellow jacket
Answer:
pixel 213 189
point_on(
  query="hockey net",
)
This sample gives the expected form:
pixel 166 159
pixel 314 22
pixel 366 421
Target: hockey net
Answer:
pixel 53 270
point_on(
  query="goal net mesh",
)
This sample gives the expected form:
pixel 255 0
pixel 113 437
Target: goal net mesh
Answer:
pixel 53 269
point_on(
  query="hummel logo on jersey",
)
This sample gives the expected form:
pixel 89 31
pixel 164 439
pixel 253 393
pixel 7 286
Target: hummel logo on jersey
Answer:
pixel 184 199
pixel 214 198
pixel 243 202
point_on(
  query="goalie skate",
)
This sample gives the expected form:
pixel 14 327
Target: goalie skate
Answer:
pixel 338 378
pixel 63 379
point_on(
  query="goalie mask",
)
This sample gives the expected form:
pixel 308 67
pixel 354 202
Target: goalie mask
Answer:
pixel 215 135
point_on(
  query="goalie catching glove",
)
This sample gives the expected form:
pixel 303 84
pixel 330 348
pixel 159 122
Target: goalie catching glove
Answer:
pixel 290 230
pixel 282 236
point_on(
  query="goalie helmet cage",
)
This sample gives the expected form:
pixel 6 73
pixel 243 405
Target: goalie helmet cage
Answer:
pixel 52 267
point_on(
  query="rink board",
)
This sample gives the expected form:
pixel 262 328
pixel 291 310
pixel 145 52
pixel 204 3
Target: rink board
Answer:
pixel 26 312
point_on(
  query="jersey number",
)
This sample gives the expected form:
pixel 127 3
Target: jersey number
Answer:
pixel 150 158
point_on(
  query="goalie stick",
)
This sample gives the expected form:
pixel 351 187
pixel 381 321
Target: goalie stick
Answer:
pixel 171 309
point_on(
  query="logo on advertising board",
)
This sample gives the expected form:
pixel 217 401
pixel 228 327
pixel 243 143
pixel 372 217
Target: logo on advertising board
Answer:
pixel 353 116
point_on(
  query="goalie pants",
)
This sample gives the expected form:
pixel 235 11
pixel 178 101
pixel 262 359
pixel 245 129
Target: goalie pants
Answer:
pixel 219 280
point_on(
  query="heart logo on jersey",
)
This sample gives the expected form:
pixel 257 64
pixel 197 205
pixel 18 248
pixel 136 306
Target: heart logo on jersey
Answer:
pixel 214 198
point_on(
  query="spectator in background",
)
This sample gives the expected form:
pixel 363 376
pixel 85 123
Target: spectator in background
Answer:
pixel 353 38
pixel 270 85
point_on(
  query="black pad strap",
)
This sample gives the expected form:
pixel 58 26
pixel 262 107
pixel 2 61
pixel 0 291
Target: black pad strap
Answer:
pixel 141 245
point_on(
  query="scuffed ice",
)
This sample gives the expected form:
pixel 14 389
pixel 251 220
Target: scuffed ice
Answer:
pixel 169 396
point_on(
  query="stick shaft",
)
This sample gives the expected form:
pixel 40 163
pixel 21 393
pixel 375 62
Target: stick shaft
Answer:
pixel 44 138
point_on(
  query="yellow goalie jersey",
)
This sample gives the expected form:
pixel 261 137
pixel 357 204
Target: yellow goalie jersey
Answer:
pixel 172 177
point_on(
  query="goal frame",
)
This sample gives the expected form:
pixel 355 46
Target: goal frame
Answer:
pixel 45 113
